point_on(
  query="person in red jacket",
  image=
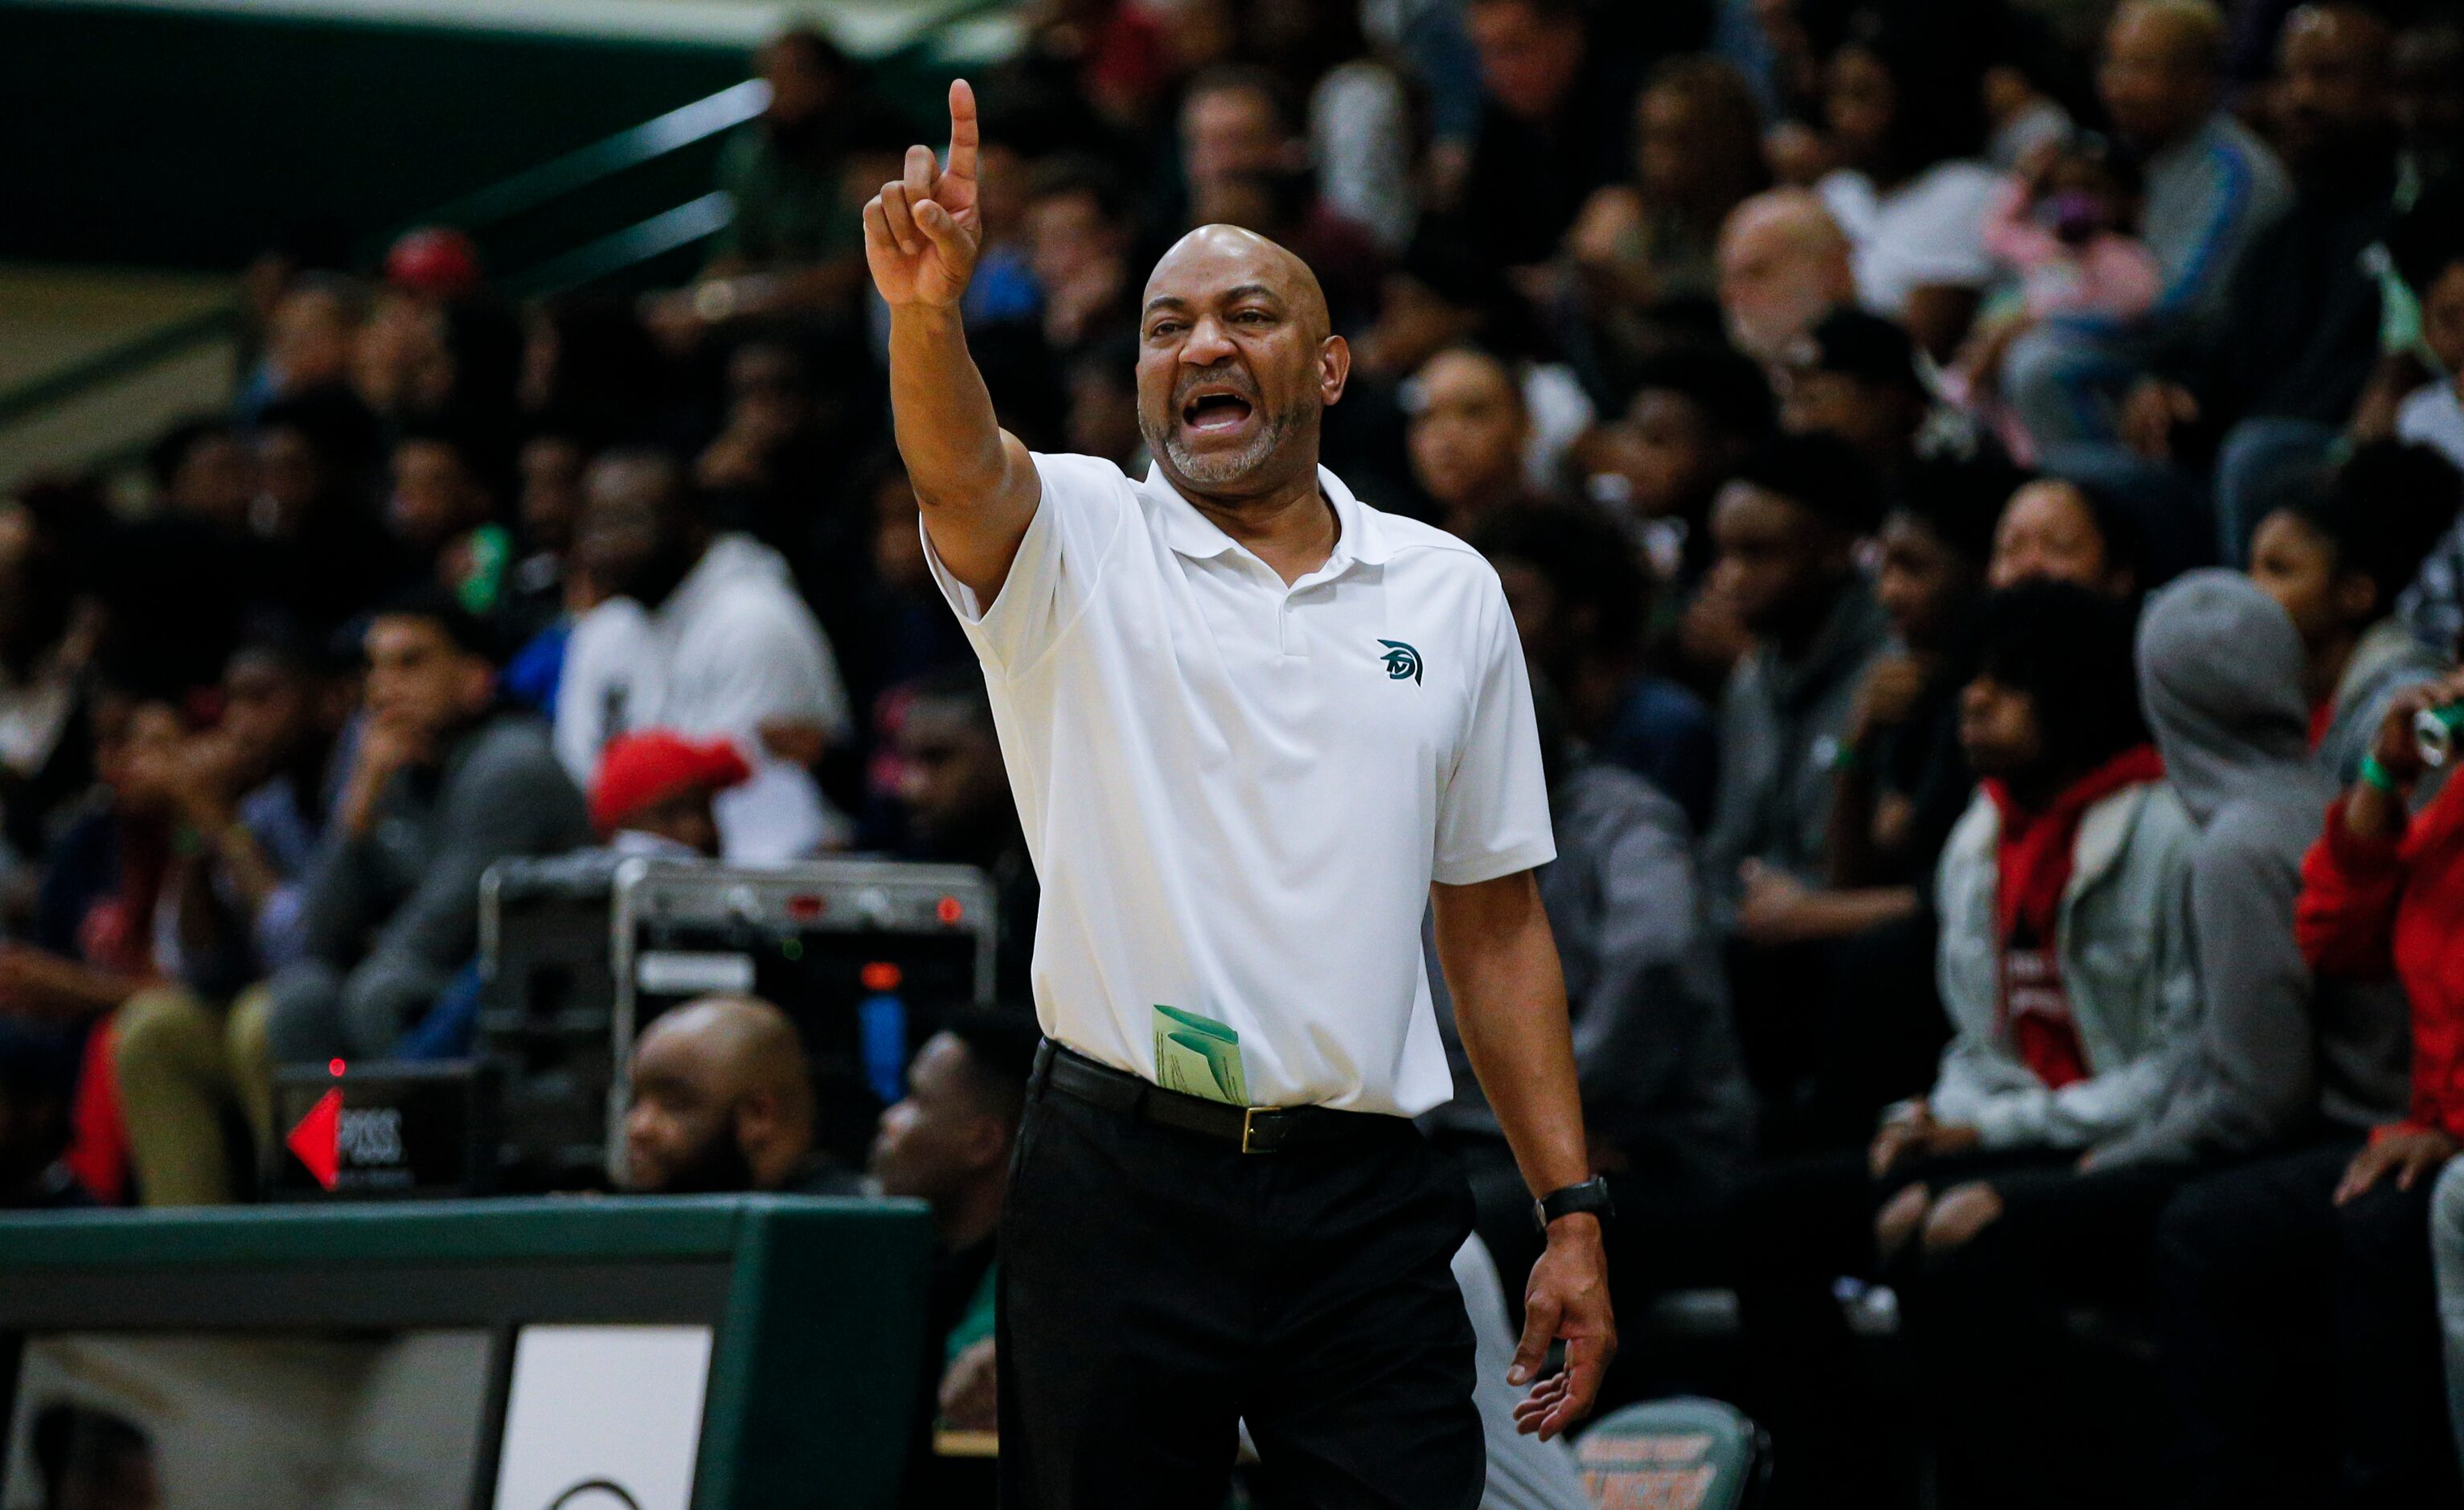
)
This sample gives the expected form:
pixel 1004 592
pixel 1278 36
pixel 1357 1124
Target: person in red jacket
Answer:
pixel 2382 891
pixel 2310 1273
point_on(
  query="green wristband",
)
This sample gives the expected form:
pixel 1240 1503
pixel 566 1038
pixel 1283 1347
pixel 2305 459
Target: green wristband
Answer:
pixel 2374 774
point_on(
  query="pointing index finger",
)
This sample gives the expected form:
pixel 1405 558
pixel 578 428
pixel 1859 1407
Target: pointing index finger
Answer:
pixel 963 140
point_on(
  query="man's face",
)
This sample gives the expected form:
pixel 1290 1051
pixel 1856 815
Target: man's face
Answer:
pixel 930 1143
pixel 1920 582
pixel 680 1130
pixel 766 392
pixel 2332 83
pixel 1997 729
pixel 1067 233
pixel 418 680
pixel 435 497
pixel 951 780
pixel 215 479
pixel 2155 76
pixel 551 490
pixel 1777 276
pixel 630 525
pixel 267 712
pixel 1674 459
pixel 288 471
pixel 309 342
pixel 1528 62
pixel 800 89
pixel 1235 365
pixel 1467 432
pixel 2428 63
pixel 1857 103
pixel 2048 533
pixel 1775 560
pixel 1230 133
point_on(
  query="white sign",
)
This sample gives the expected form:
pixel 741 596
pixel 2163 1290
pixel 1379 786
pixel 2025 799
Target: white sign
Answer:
pixel 677 973
pixel 604 1418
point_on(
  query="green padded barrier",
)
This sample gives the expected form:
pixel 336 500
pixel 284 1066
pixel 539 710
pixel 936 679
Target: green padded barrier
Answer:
pixel 816 1305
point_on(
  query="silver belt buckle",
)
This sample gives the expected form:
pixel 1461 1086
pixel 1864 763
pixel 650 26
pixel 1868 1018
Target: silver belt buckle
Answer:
pixel 1248 1121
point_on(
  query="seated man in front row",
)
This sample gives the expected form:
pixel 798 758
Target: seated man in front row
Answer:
pixel 723 1102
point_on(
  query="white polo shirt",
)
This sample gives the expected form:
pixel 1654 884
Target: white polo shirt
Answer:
pixel 1236 793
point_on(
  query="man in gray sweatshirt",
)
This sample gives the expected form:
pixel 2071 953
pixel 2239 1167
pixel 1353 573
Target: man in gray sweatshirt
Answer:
pixel 442 786
pixel 2278 1056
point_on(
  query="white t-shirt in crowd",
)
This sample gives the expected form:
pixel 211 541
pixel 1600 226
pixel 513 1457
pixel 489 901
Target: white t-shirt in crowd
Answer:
pixel 1928 230
pixel 2430 415
pixel 732 648
pixel 1236 793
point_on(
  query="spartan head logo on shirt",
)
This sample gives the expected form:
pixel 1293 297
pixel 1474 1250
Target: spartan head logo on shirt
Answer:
pixel 1402 660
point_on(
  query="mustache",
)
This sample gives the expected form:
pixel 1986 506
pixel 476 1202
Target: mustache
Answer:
pixel 1223 374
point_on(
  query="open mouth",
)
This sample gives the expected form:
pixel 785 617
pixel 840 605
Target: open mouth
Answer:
pixel 1217 412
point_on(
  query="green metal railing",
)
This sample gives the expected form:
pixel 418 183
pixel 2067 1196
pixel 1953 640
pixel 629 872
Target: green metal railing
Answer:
pixel 599 259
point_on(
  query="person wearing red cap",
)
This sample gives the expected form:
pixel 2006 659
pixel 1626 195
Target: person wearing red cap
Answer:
pixel 652 792
pixel 434 262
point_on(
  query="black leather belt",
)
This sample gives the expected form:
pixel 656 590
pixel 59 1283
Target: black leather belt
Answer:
pixel 1252 1129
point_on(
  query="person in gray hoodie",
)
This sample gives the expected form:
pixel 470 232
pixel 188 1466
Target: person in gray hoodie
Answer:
pixel 2278 1054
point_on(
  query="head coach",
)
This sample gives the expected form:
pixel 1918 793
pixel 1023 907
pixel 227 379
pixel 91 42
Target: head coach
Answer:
pixel 1254 728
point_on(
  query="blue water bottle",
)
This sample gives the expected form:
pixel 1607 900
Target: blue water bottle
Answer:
pixel 881 1031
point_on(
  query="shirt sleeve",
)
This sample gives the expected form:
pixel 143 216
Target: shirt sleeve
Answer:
pixel 1493 811
pixel 1078 523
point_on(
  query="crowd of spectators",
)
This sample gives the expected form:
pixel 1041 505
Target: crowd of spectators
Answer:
pixel 1977 486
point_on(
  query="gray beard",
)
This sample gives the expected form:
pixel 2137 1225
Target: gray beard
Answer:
pixel 1219 468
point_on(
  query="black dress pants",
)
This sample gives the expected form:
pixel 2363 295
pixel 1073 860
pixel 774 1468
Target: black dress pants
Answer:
pixel 1157 1287
pixel 2302 1340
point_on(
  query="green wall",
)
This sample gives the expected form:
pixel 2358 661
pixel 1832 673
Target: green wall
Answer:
pixel 178 139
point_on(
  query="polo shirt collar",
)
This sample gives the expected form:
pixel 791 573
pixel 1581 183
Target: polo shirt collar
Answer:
pixel 1190 533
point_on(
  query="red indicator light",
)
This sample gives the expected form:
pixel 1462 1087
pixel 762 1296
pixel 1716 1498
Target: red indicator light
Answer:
pixel 335 1066
pixel 948 910
pixel 882 976
pixel 803 909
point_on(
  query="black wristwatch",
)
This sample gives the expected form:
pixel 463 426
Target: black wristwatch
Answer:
pixel 1591 1196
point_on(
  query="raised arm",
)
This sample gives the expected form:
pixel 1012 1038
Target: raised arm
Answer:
pixel 974 480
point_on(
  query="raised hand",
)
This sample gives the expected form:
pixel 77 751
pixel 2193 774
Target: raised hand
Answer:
pixel 922 232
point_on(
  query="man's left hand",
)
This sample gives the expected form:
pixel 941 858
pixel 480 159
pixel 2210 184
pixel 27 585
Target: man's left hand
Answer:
pixel 2409 1152
pixel 1568 1300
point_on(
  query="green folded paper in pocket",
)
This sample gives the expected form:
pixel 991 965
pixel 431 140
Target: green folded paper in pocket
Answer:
pixel 1198 1055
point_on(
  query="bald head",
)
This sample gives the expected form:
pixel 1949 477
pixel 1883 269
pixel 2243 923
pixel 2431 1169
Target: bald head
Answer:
pixel 2161 59
pixel 1783 265
pixel 722 1099
pixel 1237 362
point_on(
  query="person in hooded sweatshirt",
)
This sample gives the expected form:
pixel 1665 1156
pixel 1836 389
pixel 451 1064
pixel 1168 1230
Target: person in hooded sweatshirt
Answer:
pixel 702 634
pixel 2277 1061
